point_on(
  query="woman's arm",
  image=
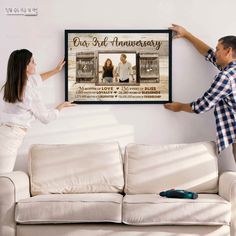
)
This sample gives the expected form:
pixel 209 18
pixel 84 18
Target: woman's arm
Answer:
pixel 38 108
pixel 52 72
pixel 64 104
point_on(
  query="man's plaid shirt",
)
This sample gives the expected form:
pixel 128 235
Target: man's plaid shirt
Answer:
pixel 222 96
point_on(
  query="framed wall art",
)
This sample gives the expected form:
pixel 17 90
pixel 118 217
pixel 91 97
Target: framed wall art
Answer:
pixel 118 66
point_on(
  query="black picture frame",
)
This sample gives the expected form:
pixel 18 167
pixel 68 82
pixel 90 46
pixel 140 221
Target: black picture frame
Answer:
pixel 148 66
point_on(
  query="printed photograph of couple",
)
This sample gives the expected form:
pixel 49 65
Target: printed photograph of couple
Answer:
pixel 117 68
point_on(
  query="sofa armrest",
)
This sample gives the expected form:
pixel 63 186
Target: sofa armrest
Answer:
pixel 227 186
pixel 14 187
pixel 227 190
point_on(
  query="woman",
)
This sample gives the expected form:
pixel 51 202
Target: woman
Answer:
pixel 22 104
pixel 108 71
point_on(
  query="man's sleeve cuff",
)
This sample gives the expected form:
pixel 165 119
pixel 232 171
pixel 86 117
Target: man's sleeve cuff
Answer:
pixel 209 55
pixel 192 104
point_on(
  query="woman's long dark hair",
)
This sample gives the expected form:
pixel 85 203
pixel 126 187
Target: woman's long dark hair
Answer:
pixel 105 64
pixel 16 75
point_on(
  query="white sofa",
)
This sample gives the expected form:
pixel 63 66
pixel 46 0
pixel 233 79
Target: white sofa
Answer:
pixel 91 189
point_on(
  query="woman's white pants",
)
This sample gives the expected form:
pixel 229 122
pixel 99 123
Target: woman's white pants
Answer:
pixel 11 138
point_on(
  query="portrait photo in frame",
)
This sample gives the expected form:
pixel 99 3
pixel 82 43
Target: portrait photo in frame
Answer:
pixel 118 66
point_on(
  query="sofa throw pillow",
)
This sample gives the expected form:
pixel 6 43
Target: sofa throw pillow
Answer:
pixel 75 168
pixel 152 169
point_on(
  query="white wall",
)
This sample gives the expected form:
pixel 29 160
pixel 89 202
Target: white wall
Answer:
pixel 152 124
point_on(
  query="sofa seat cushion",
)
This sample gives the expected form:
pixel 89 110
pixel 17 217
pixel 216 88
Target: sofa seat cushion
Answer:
pixel 70 208
pixel 152 209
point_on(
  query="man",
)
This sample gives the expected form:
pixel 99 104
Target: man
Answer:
pixel 124 70
pixel 222 93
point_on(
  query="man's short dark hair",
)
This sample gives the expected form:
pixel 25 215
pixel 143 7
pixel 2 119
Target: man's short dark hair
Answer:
pixel 124 55
pixel 229 42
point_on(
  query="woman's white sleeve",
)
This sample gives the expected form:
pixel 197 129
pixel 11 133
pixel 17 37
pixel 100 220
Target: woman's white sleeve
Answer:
pixel 40 111
pixel 36 80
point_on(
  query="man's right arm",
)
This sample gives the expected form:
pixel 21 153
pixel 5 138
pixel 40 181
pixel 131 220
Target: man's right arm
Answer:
pixel 220 88
pixel 197 43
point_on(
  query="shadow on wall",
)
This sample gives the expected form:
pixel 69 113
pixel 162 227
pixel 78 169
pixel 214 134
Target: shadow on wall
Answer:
pixel 88 124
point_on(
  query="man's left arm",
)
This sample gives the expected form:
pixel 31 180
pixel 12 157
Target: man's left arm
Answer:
pixel 220 88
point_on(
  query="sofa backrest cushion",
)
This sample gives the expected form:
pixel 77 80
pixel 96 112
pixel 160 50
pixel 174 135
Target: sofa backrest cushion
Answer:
pixel 76 168
pixel 152 169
